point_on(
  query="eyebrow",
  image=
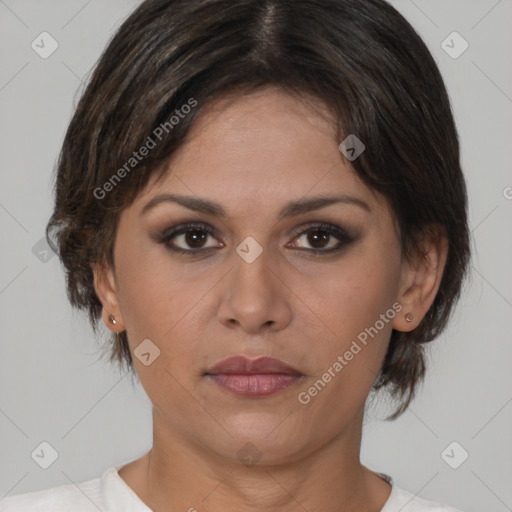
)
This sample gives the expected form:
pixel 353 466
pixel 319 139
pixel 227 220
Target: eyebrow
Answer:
pixel 291 209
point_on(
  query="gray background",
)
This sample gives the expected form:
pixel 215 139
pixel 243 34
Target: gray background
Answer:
pixel 54 387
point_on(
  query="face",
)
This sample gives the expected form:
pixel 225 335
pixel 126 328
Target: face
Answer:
pixel 314 287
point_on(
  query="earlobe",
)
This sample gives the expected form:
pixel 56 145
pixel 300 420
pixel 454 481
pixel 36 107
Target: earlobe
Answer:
pixel 106 290
pixel 421 278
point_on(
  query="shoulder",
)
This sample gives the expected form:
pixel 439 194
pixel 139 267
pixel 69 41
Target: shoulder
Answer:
pixel 108 492
pixel 401 500
pixel 83 497
pixel 404 501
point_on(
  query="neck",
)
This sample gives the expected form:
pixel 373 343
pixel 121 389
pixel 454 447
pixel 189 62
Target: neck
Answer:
pixel 179 475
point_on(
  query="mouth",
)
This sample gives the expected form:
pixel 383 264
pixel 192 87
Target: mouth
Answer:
pixel 253 378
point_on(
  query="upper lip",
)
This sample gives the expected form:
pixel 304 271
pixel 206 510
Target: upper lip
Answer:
pixel 243 365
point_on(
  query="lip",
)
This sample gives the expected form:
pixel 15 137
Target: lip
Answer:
pixel 253 378
pixel 242 365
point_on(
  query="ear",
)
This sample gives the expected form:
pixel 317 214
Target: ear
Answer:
pixel 106 290
pixel 420 278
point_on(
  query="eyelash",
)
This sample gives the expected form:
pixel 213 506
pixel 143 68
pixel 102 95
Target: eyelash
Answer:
pixel 331 229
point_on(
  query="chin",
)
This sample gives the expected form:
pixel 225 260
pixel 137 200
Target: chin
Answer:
pixel 259 438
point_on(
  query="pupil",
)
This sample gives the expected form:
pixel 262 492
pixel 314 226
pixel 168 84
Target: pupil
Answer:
pixel 314 237
pixel 193 237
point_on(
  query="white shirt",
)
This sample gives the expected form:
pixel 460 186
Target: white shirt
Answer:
pixel 110 493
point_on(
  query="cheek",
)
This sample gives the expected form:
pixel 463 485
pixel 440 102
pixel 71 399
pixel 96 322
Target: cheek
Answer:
pixel 353 337
pixel 350 295
pixel 164 301
pixel 151 291
pixel 354 300
pixel 159 307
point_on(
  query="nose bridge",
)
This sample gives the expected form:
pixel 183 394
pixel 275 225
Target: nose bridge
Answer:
pixel 252 268
pixel 255 296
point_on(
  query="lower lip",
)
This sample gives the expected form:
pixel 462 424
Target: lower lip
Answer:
pixel 256 385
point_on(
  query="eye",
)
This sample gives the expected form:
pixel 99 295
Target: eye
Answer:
pixel 193 238
pixel 189 238
pixel 324 238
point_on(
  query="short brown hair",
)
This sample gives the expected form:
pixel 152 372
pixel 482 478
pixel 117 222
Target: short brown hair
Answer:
pixel 362 59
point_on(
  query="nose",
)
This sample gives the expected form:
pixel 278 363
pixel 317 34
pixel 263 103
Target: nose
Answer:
pixel 255 297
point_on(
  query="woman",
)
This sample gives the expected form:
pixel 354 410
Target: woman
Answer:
pixel 263 200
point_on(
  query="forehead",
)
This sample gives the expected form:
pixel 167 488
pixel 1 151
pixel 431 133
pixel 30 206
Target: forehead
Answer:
pixel 256 152
pixel 270 103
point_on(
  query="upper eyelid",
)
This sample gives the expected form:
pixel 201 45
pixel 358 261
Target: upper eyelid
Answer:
pixel 183 226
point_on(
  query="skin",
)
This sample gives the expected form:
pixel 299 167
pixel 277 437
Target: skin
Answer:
pixel 253 154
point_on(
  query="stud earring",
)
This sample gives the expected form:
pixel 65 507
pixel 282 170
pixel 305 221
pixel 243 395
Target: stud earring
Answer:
pixel 409 317
pixel 113 321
